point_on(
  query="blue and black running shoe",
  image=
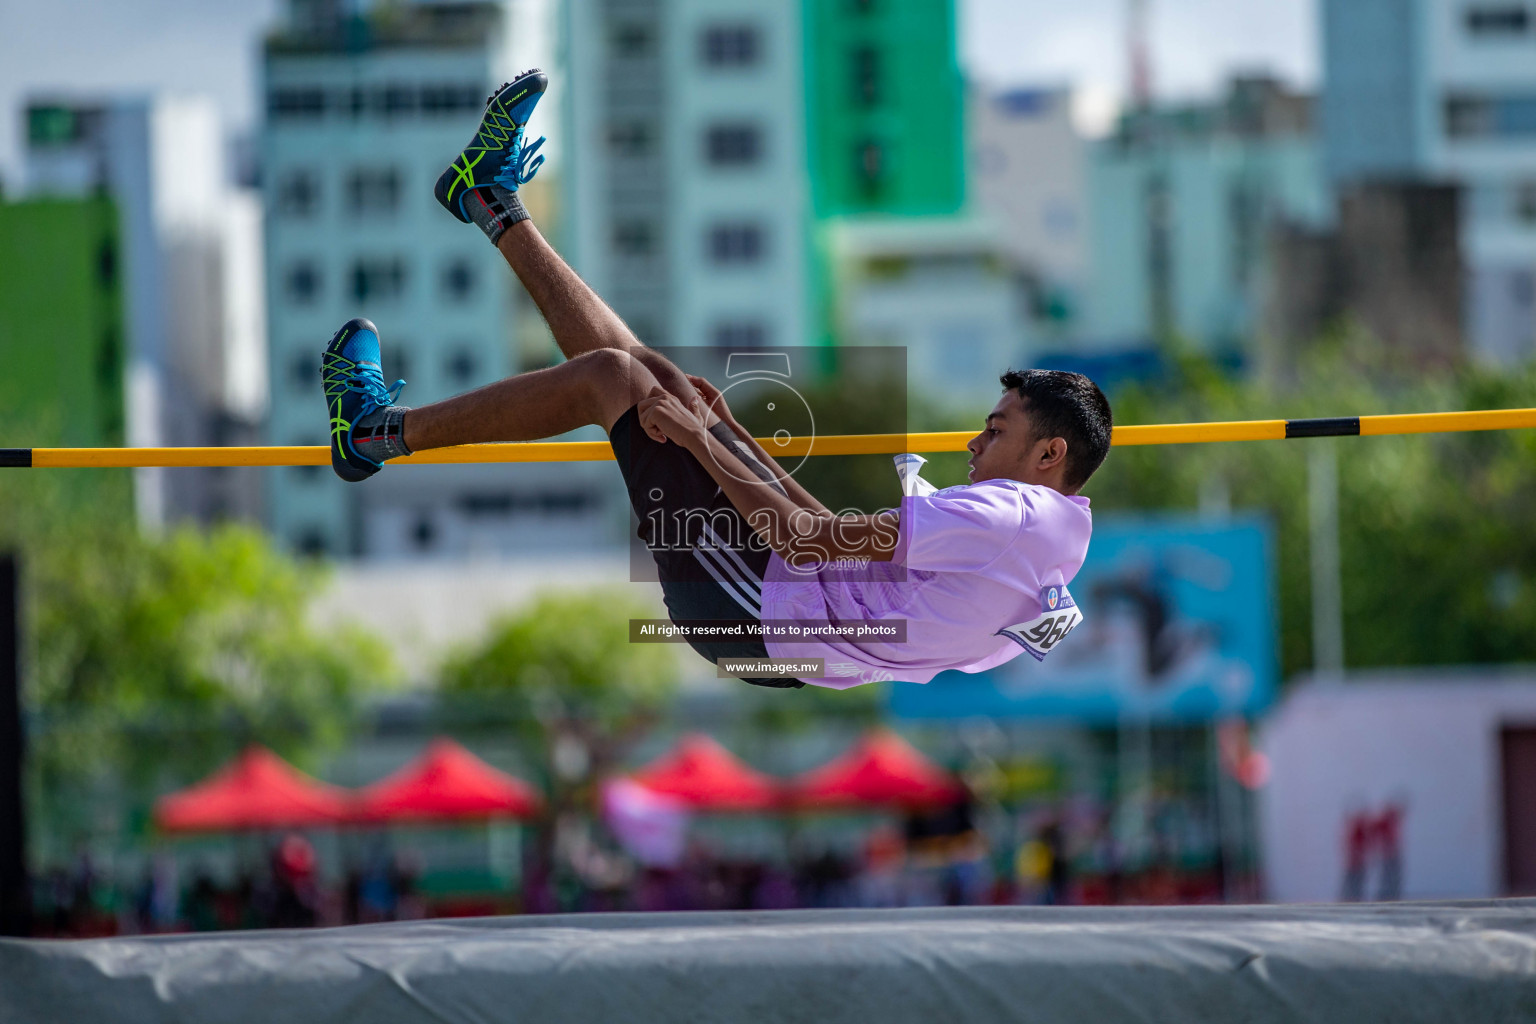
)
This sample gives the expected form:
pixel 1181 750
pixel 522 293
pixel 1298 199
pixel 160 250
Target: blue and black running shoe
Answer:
pixel 351 373
pixel 497 155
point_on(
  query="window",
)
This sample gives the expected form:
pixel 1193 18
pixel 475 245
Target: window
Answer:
pixel 630 138
pixel 739 334
pixel 869 164
pixel 1466 117
pixel 461 366
pixel 398 99
pixel 486 504
pixel 308 474
pixel 1493 20
pixel 106 264
pixel 632 39
pixel 378 279
pixel 310 542
pixel 735 243
pixel 370 190
pixel 52 125
pixel 295 102
pixel 634 238
pixel 865 67
pixel 730 46
pixel 298 193
pixel 459 279
pixel 1245 216
pixel 1525 202
pixel 506 503
pixel 304 371
pixel 451 99
pixel 353 102
pixel 396 363
pixel 1521 290
pixel 733 145
pixel 303 282
pixel 1508 116
pixel 391 100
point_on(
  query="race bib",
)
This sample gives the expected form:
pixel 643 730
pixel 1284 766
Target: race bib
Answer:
pixel 1059 615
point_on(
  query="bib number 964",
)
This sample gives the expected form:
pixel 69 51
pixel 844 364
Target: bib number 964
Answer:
pixel 1059 615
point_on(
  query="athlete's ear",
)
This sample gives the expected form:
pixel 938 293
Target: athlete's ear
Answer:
pixel 1053 454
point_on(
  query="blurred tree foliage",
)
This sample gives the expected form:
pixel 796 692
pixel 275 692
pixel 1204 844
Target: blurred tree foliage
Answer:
pixel 152 659
pixel 1438 556
pixel 561 672
pixel 775 712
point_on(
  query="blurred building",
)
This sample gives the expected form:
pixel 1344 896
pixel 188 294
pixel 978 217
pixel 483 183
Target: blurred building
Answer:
pixel 712 140
pixel 1028 169
pixel 1444 91
pixel 1411 784
pixel 363 112
pixel 190 277
pixel 688 185
pixel 1392 264
pixel 946 289
pixel 1182 199
pixel 61 323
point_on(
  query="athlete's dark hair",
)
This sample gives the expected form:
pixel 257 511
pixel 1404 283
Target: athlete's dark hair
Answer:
pixel 1069 405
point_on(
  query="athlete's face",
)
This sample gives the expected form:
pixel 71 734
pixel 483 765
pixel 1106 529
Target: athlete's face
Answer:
pixel 1007 448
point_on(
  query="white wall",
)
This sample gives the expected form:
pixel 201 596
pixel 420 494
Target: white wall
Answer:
pixel 245 380
pixel 1429 739
pixel 1029 171
pixel 954 308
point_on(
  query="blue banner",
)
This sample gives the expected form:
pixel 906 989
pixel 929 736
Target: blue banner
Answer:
pixel 1178 623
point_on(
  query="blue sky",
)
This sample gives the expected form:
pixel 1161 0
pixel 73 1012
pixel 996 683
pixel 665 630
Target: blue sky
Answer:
pixel 209 46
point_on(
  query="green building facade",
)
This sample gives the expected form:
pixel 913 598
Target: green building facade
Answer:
pixel 885 107
pixel 61 326
pixel 885 124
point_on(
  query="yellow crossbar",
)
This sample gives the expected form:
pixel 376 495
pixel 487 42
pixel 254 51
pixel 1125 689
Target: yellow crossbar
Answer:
pixel 841 444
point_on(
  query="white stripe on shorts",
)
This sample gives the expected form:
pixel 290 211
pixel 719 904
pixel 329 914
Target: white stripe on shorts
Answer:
pixel 734 556
pixel 739 592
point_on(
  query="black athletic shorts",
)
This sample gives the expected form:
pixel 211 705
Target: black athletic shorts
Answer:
pixel 708 566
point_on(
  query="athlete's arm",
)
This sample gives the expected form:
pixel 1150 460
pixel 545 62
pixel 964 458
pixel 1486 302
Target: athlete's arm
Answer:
pixel 797 534
pixel 716 401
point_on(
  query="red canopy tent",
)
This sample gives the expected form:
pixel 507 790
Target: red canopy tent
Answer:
pixel 881 770
pixel 703 774
pixel 446 783
pixel 257 790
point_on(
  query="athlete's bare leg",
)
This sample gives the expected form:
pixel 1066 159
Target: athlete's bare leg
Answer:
pixel 597 386
pixel 580 320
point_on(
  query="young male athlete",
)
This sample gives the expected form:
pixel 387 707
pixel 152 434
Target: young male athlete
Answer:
pixel 976 573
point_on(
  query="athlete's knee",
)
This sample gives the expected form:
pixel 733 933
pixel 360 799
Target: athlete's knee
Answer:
pixel 614 375
pixel 608 364
pixel 665 371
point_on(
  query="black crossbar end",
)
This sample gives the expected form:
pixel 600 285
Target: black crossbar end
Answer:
pixel 1334 426
pixel 21 457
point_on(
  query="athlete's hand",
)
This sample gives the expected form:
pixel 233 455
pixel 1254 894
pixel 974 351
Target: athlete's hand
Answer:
pixel 665 417
pixel 711 397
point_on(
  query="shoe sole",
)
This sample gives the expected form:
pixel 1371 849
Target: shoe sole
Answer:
pixel 344 469
pixel 446 180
